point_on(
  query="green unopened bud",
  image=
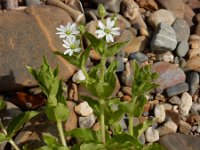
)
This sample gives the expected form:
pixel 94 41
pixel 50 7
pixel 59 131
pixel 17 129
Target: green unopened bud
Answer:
pixel 101 11
pixel 81 28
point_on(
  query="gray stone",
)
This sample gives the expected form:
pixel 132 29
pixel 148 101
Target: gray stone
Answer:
pixel 168 128
pixel 152 135
pixel 180 141
pixel 186 103
pixel 167 57
pixel 169 75
pixel 119 58
pixel 184 127
pixel 159 113
pixel 138 56
pixel 175 100
pixel 19 49
pixel 33 2
pixel 161 16
pixel 195 108
pixel 164 38
pixel 177 89
pixel 78 76
pixel 182 29
pixel 182 48
pixel 192 78
pixel 86 122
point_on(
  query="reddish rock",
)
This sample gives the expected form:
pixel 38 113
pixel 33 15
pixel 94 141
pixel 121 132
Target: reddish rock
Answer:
pixel 195 5
pixel 193 63
pixel 172 115
pixel 175 6
pixel 169 75
pixel 25 37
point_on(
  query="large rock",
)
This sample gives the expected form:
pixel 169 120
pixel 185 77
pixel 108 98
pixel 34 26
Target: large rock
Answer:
pixel 179 141
pixel 169 75
pixel 25 37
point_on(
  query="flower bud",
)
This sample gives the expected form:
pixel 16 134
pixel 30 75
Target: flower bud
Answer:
pixel 101 11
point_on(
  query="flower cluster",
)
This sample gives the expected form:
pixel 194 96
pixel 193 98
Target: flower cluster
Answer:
pixel 69 34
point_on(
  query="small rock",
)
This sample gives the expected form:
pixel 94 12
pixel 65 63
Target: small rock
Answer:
pixel 193 63
pixel 144 32
pixel 86 122
pixel 188 15
pixel 186 103
pixel 119 58
pixel 160 97
pixel 198 129
pixel 126 98
pixel 175 108
pixel 172 115
pixel 193 52
pixel 175 100
pixel 167 57
pixel 78 76
pixel 193 119
pixel 161 16
pixel 168 128
pixel 193 81
pixel 159 113
pixel 167 106
pixel 127 75
pixel 169 75
pixel 148 4
pixel 182 48
pixel 184 127
pixel 83 109
pixel 33 2
pixel 127 90
pixel 174 6
pixel 195 108
pixel 142 139
pixel 164 39
pixel 152 135
pixel 138 56
pixel 177 89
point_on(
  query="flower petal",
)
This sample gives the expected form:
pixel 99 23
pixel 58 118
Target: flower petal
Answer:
pixel 100 33
pixel 109 38
pixel 101 25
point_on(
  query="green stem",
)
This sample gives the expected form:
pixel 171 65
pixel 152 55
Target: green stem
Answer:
pixel 130 124
pixel 61 133
pixel 102 69
pixel 102 122
pixel 13 144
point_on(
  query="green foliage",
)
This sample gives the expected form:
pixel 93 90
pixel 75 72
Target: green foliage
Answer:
pixel 2 104
pixel 3 137
pixel 153 146
pixel 101 11
pixel 16 123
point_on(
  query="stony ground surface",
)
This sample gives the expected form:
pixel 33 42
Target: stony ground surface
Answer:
pixel 163 33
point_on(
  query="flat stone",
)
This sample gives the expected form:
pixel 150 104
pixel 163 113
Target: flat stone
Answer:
pixel 169 127
pixel 169 75
pixel 161 15
pixel 177 89
pixel 182 29
pixel 186 103
pixel 175 6
pixel 19 49
pixel 138 56
pixel 193 82
pixel 164 38
pixel 182 48
pixel 179 141
pixel 175 100
pixel 193 63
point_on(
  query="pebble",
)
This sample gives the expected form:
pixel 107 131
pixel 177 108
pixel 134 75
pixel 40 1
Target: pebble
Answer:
pixel 195 108
pixel 138 56
pixel 83 109
pixel 127 90
pixel 159 113
pixel 33 2
pixel 78 76
pixel 193 119
pixel 177 89
pixel 168 128
pixel 192 79
pixel 167 57
pixel 164 38
pixel 152 135
pixel 175 100
pixel 167 106
pixel 182 48
pixel 184 127
pixel 174 116
pixel 194 52
pixel 86 122
pixel 186 103
pixel 193 63
pixel 126 98
pixel 182 29
pixel 161 16
pixel 119 57
pixel 198 129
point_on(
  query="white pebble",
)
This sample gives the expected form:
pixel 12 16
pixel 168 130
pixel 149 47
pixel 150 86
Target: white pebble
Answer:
pixel 152 135
pixel 78 76
pixel 83 109
pixel 159 112
pixel 186 103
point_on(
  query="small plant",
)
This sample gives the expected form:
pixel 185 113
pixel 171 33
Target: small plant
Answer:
pixel 100 81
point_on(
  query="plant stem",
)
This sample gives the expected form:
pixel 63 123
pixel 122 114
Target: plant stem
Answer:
pixel 61 134
pixel 130 124
pixel 102 122
pixel 13 144
pixel 102 69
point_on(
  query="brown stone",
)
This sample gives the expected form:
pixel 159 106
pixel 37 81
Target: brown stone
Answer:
pixel 148 4
pixel 193 63
pixel 175 6
pixel 188 15
pixel 194 52
pixel 193 119
pixel 169 75
pixel 25 37
pixel 126 98
pixel 174 116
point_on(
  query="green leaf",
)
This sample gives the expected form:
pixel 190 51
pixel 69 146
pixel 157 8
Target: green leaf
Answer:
pixel 59 96
pixel 50 140
pixel 92 146
pixel 33 72
pixel 94 104
pixel 117 129
pixel 87 135
pixel 140 128
pixel 2 104
pixel 56 148
pixel 74 60
pixel 17 123
pixel 98 44
pixel 45 148
pixel 84 57
pixel 57 113
pixel 113 49
pixel 2 137
pixel 153 146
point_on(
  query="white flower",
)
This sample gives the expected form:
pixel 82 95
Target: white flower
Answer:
pixel 71 45
pixel 67 31
pixel 107 30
